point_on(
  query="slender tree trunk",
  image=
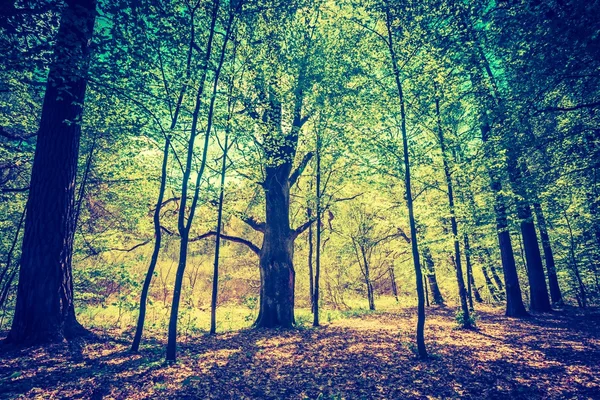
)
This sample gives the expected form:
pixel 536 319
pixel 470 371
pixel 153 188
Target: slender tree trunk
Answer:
pixel 44 310
pixel 393 281
pixel 9 272
pixel 215 285
pixel 319 227
pixel 426 292
pixel 582 297
pixel 421 349
pixel 310 263
pixel 462 293
pixel 431 277
pixel 135 345
pixel 555 292
pixel 183 226
pixel 368 282
pixel 473 290
pixel 489 284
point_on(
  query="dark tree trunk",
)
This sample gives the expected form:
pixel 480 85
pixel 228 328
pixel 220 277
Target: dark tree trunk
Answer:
pixel 538 292
pixel 473 290
pixel 421 349
pixel 426 292
pixel 539 300
pixel 431 277
pixel 184 226
pixel 319 227
pixel 277 273
pixel 489 284
pixel 370 296
pixel 393 282
pixel 159 203
pixel 462 293
pixel 581 297
pixel 311 281
pixel 514 299
pixel 555 292
pixel 44 311
pixel 135 345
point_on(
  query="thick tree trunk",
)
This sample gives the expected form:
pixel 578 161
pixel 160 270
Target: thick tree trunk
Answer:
pixel 277 273
pixel 514 299
pixel 44 310
pixel 436 295
pixel 539 300
pixel 538 292
pixel 555 292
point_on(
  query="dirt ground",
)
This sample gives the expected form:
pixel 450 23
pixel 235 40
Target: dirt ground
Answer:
pixel 369 357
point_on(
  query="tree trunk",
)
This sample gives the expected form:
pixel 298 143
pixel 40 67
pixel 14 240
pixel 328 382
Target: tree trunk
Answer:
pixel 184 226
pixel 393 281
pixel 431 277
pixel 582 297
pixel 489 284
pixel 421 349
pixel 462 293
pixel 135 345
pixel 44 310
pixel 473 290
pixel 319 227
pixel 311 282
pixel 368 282
pixel 514 299
pixel 277 273
pixel 539 300
pixel 161 191
pixel 555 292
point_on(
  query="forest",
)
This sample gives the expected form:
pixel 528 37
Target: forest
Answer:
pixel 303 199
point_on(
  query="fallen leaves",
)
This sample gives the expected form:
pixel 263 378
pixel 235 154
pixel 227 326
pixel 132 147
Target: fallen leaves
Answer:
pixel 547 356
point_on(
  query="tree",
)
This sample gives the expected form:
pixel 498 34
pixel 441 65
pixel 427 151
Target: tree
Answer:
pixel 44 310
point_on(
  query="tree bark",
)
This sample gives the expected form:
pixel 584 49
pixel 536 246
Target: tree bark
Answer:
pixel 514 299
pixel 44 310
pixel 436 295
pixel 555 292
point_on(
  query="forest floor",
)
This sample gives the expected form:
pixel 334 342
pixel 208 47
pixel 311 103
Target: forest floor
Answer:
pixel 553 355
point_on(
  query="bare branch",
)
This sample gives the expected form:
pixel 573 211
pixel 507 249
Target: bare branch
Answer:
pixel 253 223
pixel 303 227
pixel 235 239
pixel 296 174
pixel 15 136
